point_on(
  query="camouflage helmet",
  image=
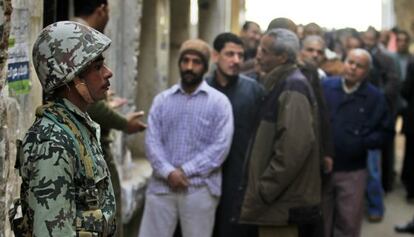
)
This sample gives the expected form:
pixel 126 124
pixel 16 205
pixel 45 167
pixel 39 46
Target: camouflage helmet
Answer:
pixel 63 49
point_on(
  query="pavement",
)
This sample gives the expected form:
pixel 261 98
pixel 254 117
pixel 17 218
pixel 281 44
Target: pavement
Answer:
pixel 397 211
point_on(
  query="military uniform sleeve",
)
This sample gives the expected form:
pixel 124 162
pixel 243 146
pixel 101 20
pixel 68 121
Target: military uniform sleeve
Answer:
pixel 105 116
pixel 49 172
pixel 295 138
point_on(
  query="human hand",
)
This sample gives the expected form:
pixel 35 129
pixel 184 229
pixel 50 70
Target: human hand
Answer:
pixel 134 124
pixel 327 164
pixel 177 180
pixel 117 102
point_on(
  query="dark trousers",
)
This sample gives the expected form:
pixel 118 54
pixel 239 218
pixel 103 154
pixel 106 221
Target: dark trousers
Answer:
pixel 388 160
pixel 407 175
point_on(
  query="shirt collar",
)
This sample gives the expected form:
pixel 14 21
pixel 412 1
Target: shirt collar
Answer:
pixel 75 110
pixel 350 90
pixel 230 83
pixel 203 87
pixel 80 20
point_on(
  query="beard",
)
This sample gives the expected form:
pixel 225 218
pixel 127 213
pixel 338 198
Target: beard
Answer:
pixel 190 79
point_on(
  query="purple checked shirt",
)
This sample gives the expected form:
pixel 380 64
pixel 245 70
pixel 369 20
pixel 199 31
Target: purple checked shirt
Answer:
pixel 191 131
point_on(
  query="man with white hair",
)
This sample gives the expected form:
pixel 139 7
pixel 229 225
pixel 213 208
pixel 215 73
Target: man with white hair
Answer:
pixel 282 192
pixel 313 52
pixel 360 121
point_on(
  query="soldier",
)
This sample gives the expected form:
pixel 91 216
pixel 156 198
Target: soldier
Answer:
pixel 66 188
pixel 95 13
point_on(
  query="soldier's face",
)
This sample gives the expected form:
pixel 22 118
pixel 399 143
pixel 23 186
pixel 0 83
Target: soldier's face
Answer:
pixel 96 78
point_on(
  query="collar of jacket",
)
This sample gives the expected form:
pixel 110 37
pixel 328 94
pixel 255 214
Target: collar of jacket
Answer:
pixel 76 112
pixel 361 91
pixel 213 79
pixel 278 74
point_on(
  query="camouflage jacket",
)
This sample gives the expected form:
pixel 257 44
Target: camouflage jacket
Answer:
pixel 55 191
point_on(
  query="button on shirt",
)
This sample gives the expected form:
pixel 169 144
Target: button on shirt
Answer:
pixel 189 131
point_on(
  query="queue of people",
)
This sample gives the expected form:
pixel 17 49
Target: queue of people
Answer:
pixel 284 137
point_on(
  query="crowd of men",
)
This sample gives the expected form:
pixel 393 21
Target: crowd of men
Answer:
pixel 283 136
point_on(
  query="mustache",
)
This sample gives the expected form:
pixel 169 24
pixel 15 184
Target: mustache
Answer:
pixel 189 72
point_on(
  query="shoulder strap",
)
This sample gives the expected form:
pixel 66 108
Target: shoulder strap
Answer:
pixel 74 132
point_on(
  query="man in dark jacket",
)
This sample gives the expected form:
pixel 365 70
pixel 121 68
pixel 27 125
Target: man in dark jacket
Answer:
pixel 284 185
pixel 360 121
pixel 384 75
pixel 407 93
pixel 245 95
pixel 408 130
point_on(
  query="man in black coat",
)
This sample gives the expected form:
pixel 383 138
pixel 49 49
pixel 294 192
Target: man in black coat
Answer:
pixel 245 95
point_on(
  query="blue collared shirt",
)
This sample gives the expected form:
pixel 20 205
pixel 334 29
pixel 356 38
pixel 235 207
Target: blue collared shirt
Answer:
pixel 189 131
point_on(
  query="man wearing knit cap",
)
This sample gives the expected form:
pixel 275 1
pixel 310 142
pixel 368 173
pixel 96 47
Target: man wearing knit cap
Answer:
pixel 189 136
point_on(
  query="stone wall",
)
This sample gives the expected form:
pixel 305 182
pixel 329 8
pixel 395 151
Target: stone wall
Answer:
pixel 124 29
pixel 5 14
pixel 16 112
pixel 404 14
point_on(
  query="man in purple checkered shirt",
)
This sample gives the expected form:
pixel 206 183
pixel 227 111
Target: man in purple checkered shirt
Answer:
pixel 190 128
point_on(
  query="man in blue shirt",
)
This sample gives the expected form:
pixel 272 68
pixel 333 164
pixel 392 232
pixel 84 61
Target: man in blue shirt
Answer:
pixel 360 121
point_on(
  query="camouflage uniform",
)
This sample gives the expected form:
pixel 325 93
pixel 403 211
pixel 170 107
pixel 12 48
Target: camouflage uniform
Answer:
pixel 55 184
pixel 66 189
pixel 108 119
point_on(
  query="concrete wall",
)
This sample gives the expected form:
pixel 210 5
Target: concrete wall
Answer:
pixel 153 59
pixel 16 112
pixel 214 18
pixel 180 32
pixel 124 28
pixel 404 14
pixel 5 13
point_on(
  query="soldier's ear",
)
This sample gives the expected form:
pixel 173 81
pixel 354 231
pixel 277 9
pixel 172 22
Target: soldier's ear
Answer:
pixel 83 90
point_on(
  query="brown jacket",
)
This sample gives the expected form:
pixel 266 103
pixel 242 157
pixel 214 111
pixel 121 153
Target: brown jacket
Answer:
pixel 284 181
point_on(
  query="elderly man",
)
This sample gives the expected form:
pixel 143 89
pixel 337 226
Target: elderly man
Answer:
pixel 189 136
pixel 313 52
pixel 284 184
pixel 360 121
pixel 250 34
pixel 66 188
